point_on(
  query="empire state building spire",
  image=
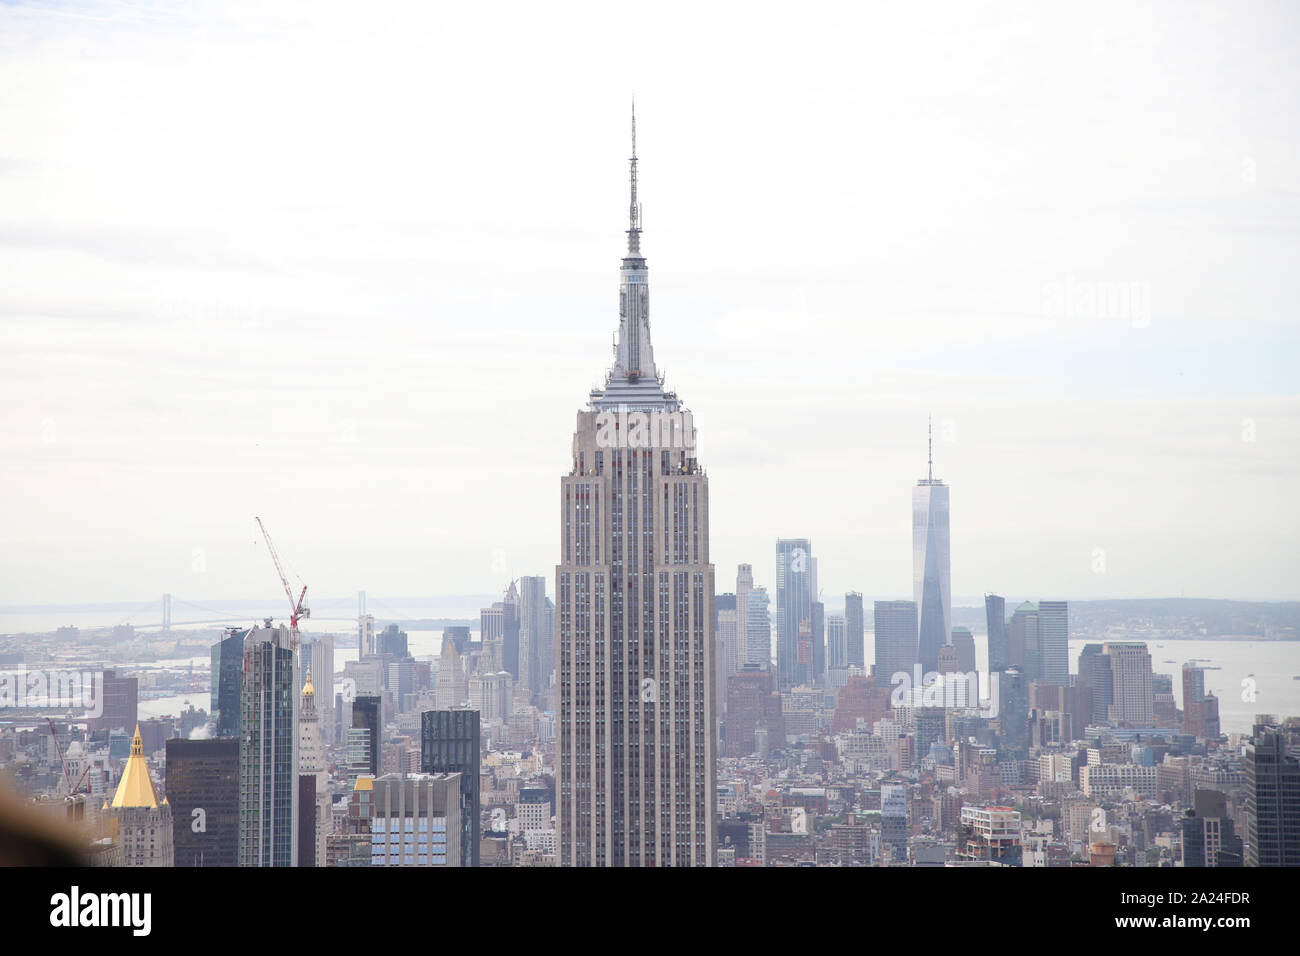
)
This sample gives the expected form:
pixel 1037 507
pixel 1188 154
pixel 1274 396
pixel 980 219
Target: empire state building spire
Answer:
pixel 634 380
pixel 634 209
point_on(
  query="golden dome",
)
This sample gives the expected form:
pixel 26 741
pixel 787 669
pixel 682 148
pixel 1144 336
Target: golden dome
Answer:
pixel 307 688
pixel 135 789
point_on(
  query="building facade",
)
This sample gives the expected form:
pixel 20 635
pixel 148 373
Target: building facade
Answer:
pixel 227 682
pixel 837 643
pixel 1094 673
pixel 795 591
pixel 1272 801
pixel 895 639
pixel 744 586
pixel 990 833
pixel 121 703
pixel 1053 642
pixel 1022 640
pixel 449 744
pixel 753 705
pixel 1132 693
pixel 855 630
pixel 729 651
pixel 317 656
pixel 144 826
pixel 758 619
pixel 533 633
pixel 635 607
pixel 995 619
pixel 415 820
pixel 313 763
pixel 268 750
pixel 364 735
pixel 203 790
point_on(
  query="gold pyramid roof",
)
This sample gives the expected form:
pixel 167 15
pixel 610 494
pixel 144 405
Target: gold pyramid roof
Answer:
pixel 136 789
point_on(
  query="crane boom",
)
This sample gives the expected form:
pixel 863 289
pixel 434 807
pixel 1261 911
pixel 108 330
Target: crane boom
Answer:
pixel 63 761
pixel 270 546
pixel 297 609
pixel 84 774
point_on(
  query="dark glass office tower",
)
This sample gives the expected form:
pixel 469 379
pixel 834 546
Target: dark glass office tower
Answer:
pixel 202 785
pixel 854 629
pixel 1208 833
pixel 227 681
pixel 268 750
pixel 457 634
pixel 449 743
pixel 121 698
pixel 1272 801
pixel 1022 640
pixel 393 641
pixel 307 819
pixel 817 669
pixel 995 618
pixel 1013 709
pixel 367 726
pixel 1094 672
pixel 895 636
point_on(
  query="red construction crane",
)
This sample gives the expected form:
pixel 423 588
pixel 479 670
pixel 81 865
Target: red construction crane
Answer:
pixel 299 608
pixel 63 761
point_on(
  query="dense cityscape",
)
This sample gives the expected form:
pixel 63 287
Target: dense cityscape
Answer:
pixel 924 520
pixel 632 710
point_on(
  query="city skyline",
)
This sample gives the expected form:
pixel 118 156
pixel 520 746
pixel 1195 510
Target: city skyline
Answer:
pixel 940 515
pixel 303 339
pixel 352 271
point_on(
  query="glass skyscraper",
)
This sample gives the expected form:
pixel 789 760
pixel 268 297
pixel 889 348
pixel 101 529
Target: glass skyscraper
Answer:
pixel 1053 642
pixel 895 636
pixel 449 743
pixel 759 629
pixel 268 750
pixel 931 568
pixel 1272 800
pixel 795 592
pixel 227 681
pixel 204 775
pixel 855 629
pixel 995 619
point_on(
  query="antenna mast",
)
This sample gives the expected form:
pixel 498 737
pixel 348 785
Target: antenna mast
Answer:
pixel 634 208
pixel 929 440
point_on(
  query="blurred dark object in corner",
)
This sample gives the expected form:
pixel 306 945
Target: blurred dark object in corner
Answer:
pixel 31 838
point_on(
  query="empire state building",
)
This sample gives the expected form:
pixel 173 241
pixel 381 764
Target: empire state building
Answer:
pixel 635 608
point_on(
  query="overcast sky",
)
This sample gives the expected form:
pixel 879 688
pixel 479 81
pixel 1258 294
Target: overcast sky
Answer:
pixel 354 269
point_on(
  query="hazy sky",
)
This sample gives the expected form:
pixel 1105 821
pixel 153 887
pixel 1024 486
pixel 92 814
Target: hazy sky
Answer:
pixel 354 269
